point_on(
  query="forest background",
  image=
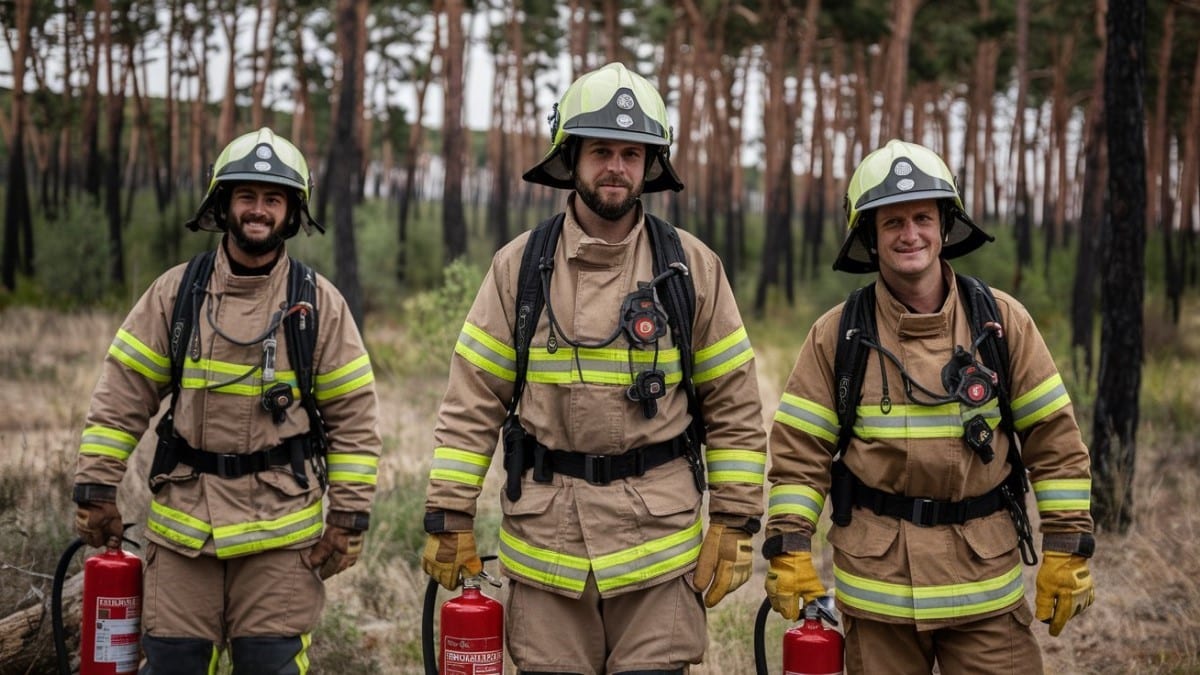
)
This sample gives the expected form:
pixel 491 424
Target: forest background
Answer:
pixel 1070 125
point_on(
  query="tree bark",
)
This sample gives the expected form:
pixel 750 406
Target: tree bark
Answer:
pixel 26 636
pixel 16 206
pixel 344 157
pixel 454 142
pixel 1114 447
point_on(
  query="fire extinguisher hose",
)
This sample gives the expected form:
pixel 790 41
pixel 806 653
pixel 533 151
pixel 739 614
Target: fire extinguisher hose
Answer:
pixel 56 617
pixel 760 642
pixel 428 644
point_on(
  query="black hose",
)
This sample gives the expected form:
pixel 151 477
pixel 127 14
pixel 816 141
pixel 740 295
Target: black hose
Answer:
pixel 760 629
pixel 56 617
pixel 428 648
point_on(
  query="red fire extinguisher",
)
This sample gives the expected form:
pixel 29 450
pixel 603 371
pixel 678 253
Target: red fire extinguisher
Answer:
pixel 472 632
pixel 809 648
pixel 112 613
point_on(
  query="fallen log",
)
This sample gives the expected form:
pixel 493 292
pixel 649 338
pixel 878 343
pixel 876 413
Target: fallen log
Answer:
pixel 27 636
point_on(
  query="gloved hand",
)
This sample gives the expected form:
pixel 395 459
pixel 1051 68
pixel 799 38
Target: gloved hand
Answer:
pixel 1064 589
pixel 98 522
pixel 724 564
pixel 336 552
pixel 448 553
pixel 791 578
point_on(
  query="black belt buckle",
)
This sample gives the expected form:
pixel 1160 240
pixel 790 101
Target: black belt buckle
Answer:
pixel 925 512
pixel 228 465
pixel 597 469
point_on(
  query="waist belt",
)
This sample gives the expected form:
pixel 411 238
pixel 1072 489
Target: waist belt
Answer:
pixel 928 512
pixel 233 465
pixel 599 469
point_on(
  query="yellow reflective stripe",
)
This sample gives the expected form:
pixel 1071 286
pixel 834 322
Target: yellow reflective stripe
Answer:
pixel 554 569
pixel 487 353
pixel 950 601
pixel 354 375
pixel 264 535
pixel 301 660
pixel 178 526
pixel 807 416
pixel 347 467
pixel 797 500
pixel 918 421
pixel 600 365
pixel 135 355
pixel 1045 399
pixel 98 440
pixel 648 560
pixel 1063 494
pixel 735 466
pixel 237 379
pixel 725 355
pixel 459 466
pixel 214 660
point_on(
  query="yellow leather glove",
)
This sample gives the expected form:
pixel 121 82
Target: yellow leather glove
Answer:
pixel 98 522
pixel 725 560
pixel 1064 589
pixel 449 553
pixel 336 552
pixel 791 578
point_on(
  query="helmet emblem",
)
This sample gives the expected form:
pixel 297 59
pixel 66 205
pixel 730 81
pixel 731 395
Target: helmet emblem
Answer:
pixel 262 166
pixel 625 102
pixel 624 121
pixel 903 168
pixel 905 184
pixel 263 152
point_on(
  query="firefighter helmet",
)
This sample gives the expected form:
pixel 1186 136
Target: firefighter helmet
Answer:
pixel 614 103
pixel 903 172
pixel 261 157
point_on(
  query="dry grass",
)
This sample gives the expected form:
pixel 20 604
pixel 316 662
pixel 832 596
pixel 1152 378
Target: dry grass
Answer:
pixel 1146 619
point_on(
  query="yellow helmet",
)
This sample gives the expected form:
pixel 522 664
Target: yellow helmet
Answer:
pixel 614 103
pixel 903 172
pixel 259 157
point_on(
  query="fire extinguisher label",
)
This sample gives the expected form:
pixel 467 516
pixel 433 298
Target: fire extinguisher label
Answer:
pixel 473 656
pixel 118 628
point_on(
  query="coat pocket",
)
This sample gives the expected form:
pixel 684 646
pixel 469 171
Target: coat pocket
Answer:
pixel 535 498
pixel 282 481
pixel 991 536
pixel 667 489
pixel 867 535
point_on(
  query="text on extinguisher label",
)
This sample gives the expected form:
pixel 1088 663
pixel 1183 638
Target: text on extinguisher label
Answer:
pixel 118 627
pixel 473 656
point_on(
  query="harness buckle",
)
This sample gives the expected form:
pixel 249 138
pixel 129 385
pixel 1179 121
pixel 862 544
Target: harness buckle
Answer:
pixel 228 465
pixel 925 512
pixel 597 469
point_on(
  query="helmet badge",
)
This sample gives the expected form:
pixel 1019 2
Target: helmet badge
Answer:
pixel 903 169
pixel 624 121
pixel 263 152
pixel 625 102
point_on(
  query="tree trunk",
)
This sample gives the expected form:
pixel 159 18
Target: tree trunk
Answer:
pixel 895 83
pixel 1114 446
pixel 1021 201
pixel 26 636
pixel 227 127
pixel 777 179
pixel 1158 169
pixel 454 142
pixel 17 218
pixel 115 114
pixel 344 156
pixel 259 89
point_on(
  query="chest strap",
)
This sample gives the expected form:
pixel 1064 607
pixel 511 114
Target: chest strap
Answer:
pixel 598 469
pixel 927 512
pixel 235 465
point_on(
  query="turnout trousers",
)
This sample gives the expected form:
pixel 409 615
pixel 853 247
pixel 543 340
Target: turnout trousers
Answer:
pixel 262 606
pixel 992 646
pixel 660 629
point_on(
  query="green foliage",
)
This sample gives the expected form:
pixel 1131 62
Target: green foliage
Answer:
pixel 432 320
pixel 71 259
pixel 337 645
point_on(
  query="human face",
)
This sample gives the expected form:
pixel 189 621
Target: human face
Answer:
pixel 909 240
pixel 257 216
pixel 609 176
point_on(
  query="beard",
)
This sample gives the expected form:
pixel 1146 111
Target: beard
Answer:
pixel 256 247
pixel 608 210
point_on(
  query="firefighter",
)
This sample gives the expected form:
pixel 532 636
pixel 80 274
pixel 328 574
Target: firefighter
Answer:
pixel 928 568
pixel 602 535
pixel 239 546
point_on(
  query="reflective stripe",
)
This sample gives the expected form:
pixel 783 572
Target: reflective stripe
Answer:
pixel 135 355
pixel 264 535
pixel 648 560
pixel 237 379
pixel 345 467
pixel 350 377
pixel 796 500
pixel 487 353
pixel 927 603
pixel 459 466
pixel 302 660
pixel 1046 398
pixel 811 418
pixel 735 466
pixel 1064 494
pixel 600 366
pixel 727 354
pixel 557 570
pixel 98 440
pixel 919 421
pixel 178 526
